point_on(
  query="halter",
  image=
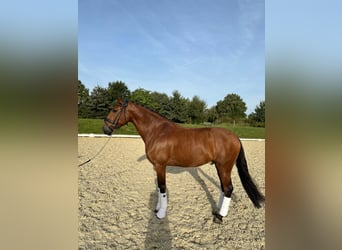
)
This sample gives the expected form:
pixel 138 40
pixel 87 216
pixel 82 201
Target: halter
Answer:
pixel 117 117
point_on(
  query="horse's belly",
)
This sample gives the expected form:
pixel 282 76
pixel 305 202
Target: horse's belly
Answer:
pixel 188 150
pixel 189 157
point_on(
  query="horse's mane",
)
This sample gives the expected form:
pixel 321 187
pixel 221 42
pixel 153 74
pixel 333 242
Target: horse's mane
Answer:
pixel 153 111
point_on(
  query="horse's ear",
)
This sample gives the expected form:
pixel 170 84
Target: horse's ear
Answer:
pixel 120 100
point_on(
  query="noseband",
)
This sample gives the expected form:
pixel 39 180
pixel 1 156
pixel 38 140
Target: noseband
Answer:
pixel 117 117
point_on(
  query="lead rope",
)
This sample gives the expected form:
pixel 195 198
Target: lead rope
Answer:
pixel 90 159
pixel 124 105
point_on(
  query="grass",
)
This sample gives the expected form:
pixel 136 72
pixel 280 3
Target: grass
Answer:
pixel 95 126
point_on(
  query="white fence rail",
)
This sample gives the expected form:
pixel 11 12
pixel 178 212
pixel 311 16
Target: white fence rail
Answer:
pixel 138 136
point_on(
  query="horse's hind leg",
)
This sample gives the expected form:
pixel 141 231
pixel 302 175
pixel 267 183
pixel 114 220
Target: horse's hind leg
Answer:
pixel 162 196
pixel 224 172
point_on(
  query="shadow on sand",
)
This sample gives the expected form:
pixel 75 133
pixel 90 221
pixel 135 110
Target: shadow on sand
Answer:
pixel 195 173
pixel 158 234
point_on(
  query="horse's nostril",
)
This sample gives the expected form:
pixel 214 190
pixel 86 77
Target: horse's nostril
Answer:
pixel 107 130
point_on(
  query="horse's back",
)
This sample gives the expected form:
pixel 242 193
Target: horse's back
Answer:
pixel 209 138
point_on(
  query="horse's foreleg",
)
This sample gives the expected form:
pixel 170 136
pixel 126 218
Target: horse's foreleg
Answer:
pixel 162 196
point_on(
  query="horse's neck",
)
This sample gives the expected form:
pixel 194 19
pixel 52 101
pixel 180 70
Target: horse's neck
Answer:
pixel 147 122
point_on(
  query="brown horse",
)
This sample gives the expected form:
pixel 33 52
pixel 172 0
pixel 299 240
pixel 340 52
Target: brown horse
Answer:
pixel 168 144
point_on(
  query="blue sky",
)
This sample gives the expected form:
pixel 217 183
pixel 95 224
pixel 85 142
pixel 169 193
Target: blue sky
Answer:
pixel 208 48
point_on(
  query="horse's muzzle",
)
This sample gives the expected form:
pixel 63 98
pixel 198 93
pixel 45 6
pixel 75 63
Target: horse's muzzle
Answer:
pixel 107 130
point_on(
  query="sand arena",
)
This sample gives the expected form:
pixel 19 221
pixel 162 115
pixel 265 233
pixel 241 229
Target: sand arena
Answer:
pixel 117 198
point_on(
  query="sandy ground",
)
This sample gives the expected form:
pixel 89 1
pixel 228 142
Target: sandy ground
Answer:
pixel 117 197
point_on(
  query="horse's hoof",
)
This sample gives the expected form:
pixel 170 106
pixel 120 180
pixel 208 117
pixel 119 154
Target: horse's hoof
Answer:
pixel 217 218
pixel 161 214
pixel 159 218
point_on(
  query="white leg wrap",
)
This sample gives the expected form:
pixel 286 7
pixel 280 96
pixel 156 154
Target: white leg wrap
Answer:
pixel 163 205
pixel 220 200
pixel 225 206
pixel 158 203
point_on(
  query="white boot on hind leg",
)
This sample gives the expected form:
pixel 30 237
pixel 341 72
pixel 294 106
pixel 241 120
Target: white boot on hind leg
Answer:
pixel 163 206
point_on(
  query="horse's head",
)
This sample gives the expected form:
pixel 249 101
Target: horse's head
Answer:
pixel 116 117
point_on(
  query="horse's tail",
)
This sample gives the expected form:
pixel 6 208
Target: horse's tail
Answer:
pixel 247 182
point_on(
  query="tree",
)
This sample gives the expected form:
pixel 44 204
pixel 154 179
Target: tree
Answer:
pixel 232 106
pixel 117 89
pixel 196 110
pixel 179 107
pixel 257 118
pixel 83 100
pixel 143 97
pixel 211 114
pixel 101 102
pixel 161 104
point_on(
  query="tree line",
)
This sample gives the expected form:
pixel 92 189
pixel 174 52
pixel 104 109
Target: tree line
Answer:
pixel 232 109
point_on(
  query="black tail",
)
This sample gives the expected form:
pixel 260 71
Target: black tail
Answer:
pixel 247 182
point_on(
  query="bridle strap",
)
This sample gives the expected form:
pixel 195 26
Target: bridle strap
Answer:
pixel 117 118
